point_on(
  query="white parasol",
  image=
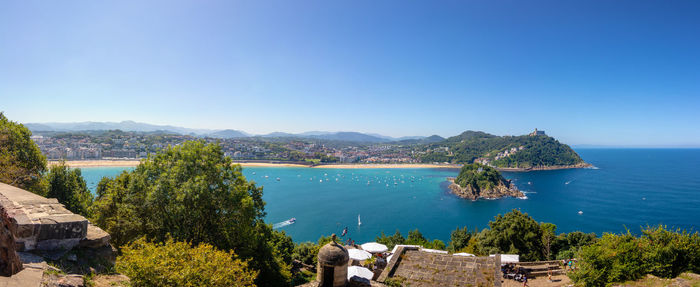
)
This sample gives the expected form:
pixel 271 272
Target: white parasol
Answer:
pixel 357 254
pixel 374 247
pixel 360 272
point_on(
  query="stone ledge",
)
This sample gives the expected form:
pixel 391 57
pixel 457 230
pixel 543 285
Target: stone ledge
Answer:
pixel 41 223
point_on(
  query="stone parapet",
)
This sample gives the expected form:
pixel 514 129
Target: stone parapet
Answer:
pixel 41 223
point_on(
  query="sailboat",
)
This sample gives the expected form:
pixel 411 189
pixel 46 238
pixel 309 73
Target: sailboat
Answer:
pixel 358 220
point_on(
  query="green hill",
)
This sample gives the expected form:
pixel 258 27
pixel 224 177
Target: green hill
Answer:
pixel 481 181
pixel 526 151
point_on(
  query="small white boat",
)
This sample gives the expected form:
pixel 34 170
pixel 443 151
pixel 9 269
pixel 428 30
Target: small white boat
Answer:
pixel 359 222
pixel 580 212
pixel 278 179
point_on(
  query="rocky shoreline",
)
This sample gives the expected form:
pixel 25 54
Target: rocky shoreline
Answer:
pixel 499 191
pixel 553 167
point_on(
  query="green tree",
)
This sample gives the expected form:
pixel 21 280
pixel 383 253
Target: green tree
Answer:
pixel 566 245
pixel 283 245
pixel 391 241
pixel 512 233
pixel 172 263
pixel 548 235
pixel 68 187
pixel 459 239
pixel 21 161
pixel 415 237
pixel 193 193
pixel 306 252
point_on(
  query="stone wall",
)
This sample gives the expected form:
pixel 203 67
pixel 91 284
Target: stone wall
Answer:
pixel 41 223
pixel 9 261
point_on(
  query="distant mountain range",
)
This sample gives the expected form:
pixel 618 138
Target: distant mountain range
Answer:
pixel 228 133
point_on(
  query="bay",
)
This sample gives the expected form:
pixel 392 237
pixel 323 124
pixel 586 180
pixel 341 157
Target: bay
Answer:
pixel 628 189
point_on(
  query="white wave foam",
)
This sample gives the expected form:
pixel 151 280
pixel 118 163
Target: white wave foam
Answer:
pixel 281 224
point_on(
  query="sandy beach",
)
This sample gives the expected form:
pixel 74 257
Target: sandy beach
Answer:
pixel 131 163
pixel 389 165
pixel 98 163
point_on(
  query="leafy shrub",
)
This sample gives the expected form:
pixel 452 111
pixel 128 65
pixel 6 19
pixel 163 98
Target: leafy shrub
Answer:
pixel 173 263
pixel 613 258
pixel 619 258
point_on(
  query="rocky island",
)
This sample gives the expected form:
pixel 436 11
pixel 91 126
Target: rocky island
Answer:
pixel 481 181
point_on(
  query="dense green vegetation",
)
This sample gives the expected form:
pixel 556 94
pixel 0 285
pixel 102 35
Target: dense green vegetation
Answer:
pixel 537 151
pixel 479 177
pixel 21 161
pixel 623 257
pixel 174 263
pixel 192 193
pixel 414 237
pixel 68 186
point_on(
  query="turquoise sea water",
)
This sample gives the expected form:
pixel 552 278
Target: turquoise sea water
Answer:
pixel 630 188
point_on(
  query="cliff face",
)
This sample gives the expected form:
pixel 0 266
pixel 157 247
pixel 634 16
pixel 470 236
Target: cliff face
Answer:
pixel 499 191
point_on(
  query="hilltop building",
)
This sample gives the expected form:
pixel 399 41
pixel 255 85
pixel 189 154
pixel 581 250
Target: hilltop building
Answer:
pixel 537 133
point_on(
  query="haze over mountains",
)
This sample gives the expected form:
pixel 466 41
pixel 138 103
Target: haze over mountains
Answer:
pixel 226 133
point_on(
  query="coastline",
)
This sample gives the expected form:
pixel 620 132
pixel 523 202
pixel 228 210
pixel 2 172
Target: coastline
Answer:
pixel 133 163
pixel 98 163
pixel 537 168
pixel 388 165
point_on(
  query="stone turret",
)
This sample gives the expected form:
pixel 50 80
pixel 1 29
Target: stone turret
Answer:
pixel 333 264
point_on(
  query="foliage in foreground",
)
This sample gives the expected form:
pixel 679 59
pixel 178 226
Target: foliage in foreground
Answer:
pixel 69 188
pixel 619 258
pixel 21 161
pixel 194 193
pixel 513 233
pixel 174 263
pixel 414 237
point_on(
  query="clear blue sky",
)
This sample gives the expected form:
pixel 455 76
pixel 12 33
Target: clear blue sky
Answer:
pixel 587 72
